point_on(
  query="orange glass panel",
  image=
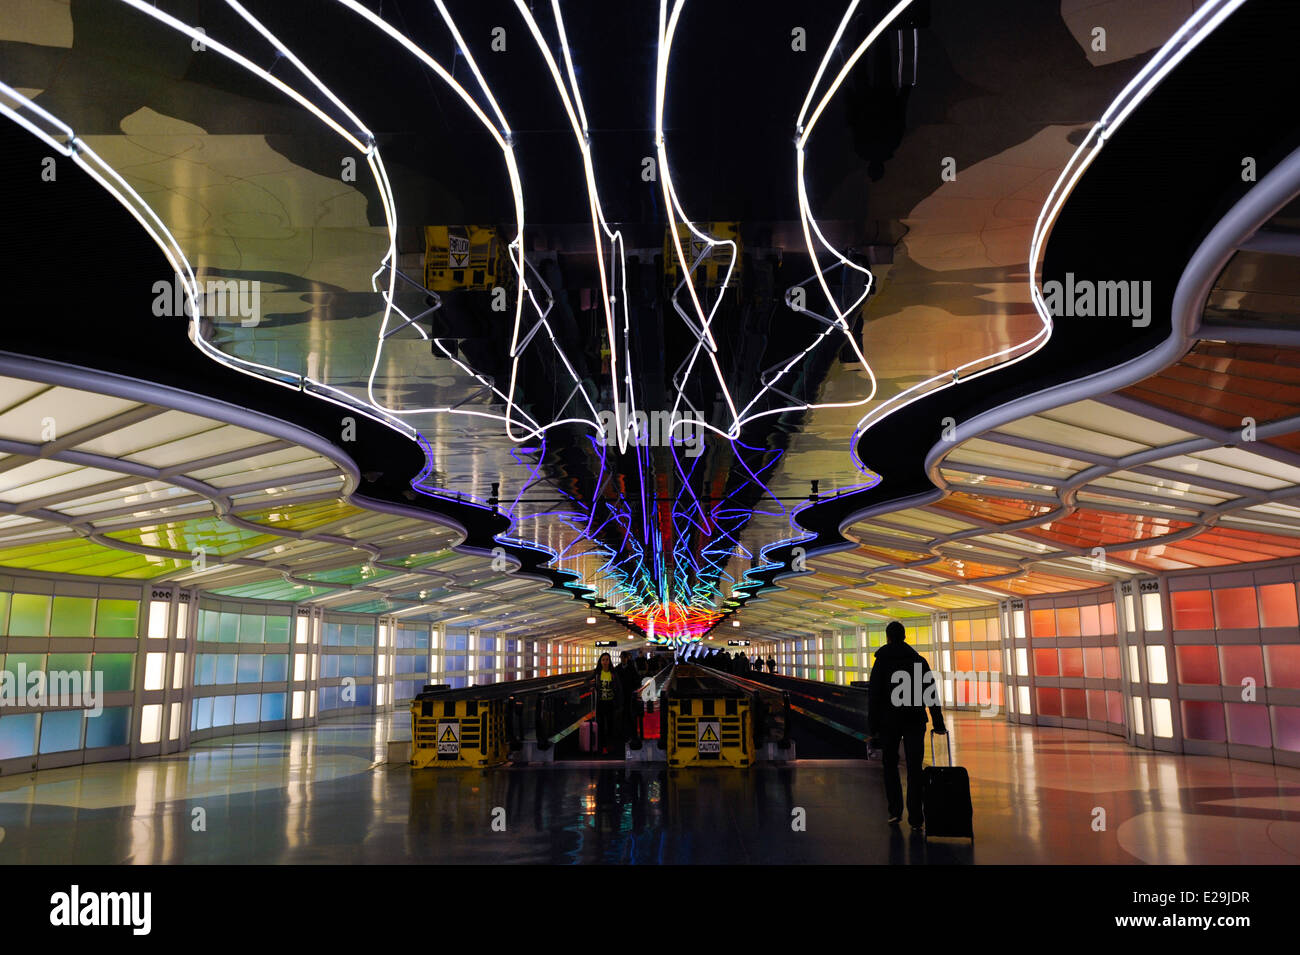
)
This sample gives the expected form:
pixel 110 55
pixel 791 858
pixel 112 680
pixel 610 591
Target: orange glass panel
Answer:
pixel 1240 662
pixel 1049 701
pixel 1203 720
pixel 997 510
pixel 1277 605
pixel 961 631
pixel 1115 707
pixel 1214 547
pixel 1067 622
pixel 1074 704
pixel 1283 665
pixel 1235 609
pixel 1248 724
pixel 1090 621
pixel 1092 663
pixel 1097 705
pixel 998 698
pixel 1192 610
pixel 962 660
pixel 1071 661
pixel 1110 659
pixel 1042 623
pixel 1045 663
pixel 994 629
pixel 1286 726
pixel 1107 618
pixel 995 661
pixel 1198 665
pixel 979 630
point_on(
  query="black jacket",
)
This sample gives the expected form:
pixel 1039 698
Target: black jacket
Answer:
pixel 900 688
pixel 617 681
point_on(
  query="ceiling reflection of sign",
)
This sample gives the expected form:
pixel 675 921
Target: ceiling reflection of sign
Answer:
pixel 458 249
pixel 710 740
pixel 606 643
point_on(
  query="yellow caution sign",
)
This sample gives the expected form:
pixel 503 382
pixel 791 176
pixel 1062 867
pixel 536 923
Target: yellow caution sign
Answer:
pixel 464 257
pixel 710 738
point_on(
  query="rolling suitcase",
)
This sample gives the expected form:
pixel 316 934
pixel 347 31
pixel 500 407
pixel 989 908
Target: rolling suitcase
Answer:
pixel 588 737
pixel 946 799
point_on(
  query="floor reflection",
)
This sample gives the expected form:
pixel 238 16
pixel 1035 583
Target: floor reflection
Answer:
pixel 322 796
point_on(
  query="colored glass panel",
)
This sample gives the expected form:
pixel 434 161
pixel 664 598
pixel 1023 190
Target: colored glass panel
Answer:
pixel 1090 621
pixel 1248 724
pixel 29 615
pixel 1235 608
pixel 61 731
pixel 1203 720
pixel 1283 665
pixel 1197 665
pixel 1277 607
pixel 1071 662
pixel 1241 662
pixel 72 617
pixel 1042 623
pixel 1045 663
pixel 1049 701
pixel 1192 610
pixel 1067 622
pixel 17 736
pixel 116 618
pixel 110 728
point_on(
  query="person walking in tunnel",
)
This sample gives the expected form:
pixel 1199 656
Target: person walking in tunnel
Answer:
pixel 901 688
pixel 771 665
pixel 609 703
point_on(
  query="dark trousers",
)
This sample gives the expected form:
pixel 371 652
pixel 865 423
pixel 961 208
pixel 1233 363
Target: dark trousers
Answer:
pixel 913 740
pixel 607 725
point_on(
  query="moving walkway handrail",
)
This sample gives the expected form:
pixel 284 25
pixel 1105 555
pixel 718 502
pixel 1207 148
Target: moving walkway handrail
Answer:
pixel 757 690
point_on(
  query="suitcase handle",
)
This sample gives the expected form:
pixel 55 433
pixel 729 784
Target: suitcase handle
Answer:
pixel 948 735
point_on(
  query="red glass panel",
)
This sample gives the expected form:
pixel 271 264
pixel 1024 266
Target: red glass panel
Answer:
pixel 1192 610
pixel 1277 605
pixel 1235 609
pixel 1071 661
pixel 1283 665
pixel 1042 623
pixel 1110 660
pixel 1203 720
pixel 1115 707
pixel 1075 704
pixel 1090 621
pixel 1097 705
pixel 1198 665
pixel 1067 622
pixel 1049 701
pixel 1092 662
pixel 1045 663
pixel 1248 724
pixel 1286 727
pixel 1108 618
pixel 1240 662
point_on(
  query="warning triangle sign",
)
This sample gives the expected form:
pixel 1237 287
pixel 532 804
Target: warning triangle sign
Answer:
pixel 709 736
pixel 449 736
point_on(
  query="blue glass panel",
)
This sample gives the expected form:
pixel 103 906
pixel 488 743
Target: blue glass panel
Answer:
pixel 110 728
pixel 61 731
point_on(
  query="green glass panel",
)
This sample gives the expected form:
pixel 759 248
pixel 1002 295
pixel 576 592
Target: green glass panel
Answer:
pixel 70 662
pixel 209 625
pixel 277 629
pixel 229 632
pixel 30 616
pixel 4 613
pixel 73 617
pixel 118 670
pixel 21 665
pixel 116 618
pixel 252 628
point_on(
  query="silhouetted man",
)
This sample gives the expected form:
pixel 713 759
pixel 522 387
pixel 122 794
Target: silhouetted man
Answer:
pixel 902 686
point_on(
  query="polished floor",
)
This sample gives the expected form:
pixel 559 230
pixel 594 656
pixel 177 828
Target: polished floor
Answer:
pixel 325 796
